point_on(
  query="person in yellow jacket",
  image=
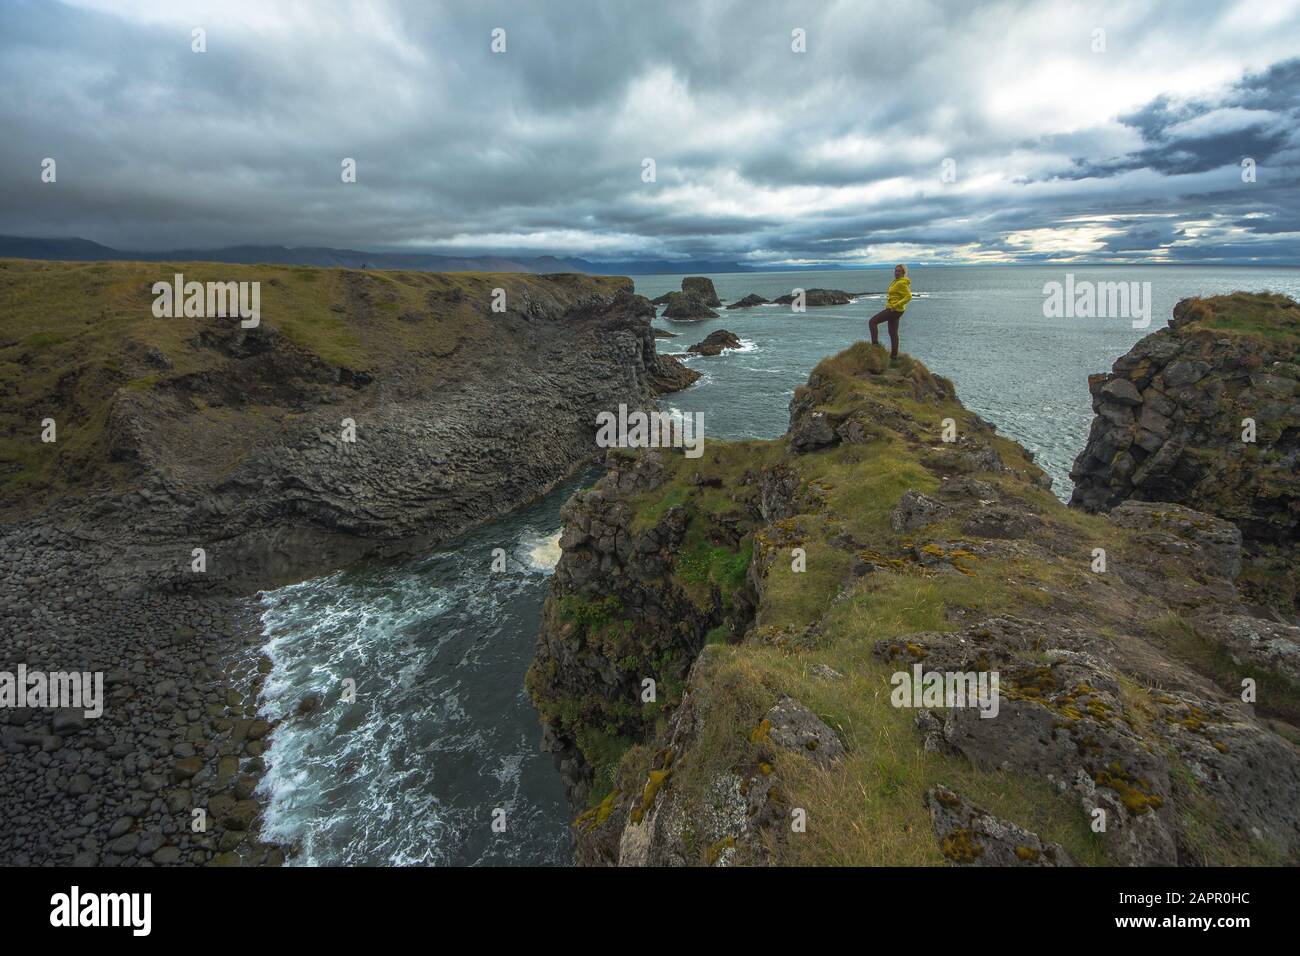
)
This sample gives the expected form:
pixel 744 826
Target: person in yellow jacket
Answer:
pixel 896 299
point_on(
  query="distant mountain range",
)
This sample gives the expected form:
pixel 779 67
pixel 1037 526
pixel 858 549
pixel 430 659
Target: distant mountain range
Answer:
pixel 84 250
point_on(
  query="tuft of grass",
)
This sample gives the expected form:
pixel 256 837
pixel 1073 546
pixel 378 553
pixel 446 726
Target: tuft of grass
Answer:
pixel 1277 696
pixel 700 564
pixel 602 751
pixel 650 512
pixel 798 598
pixel 590 616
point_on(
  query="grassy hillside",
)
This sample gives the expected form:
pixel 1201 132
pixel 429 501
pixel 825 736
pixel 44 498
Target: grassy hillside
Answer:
pixel 73 334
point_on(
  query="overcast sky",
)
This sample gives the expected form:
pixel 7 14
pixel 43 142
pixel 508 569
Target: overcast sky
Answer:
pixel 762 154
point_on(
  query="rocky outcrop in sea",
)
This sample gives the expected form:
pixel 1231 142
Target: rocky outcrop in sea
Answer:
pixel 685 307
pixel 701 287
pixel 715 342
pixel 817 298
pixel 696 300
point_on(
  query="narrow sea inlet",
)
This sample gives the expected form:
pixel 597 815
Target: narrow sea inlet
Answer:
pixel 441 735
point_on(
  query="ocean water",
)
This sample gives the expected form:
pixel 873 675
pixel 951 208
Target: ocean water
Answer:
pixel 983 327
pixel 442 734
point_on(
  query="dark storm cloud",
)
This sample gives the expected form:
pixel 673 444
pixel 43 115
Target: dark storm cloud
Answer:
pixel 762 154
pixel 1257 118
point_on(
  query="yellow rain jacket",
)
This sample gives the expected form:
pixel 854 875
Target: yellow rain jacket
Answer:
pixel 900 293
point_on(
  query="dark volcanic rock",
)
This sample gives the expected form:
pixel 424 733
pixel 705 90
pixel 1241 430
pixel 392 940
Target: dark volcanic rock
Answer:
pixel 817 297
pixel 916 510
pixel 605 565
pixel 1172 415
pixel 683 305
pixel 791 725
pixel 748 302
pixel 702 289
pixel 715 342
pixel 668 374
pixel 812 431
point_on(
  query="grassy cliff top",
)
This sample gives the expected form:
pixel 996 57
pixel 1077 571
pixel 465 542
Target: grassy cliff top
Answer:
pixel 1265 315
pixel 72 334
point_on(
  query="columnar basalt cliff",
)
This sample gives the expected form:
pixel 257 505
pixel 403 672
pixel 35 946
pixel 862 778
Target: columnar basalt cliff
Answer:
pixel 193 458
pixel 771 593
pixel 364 408
pixel 1206 413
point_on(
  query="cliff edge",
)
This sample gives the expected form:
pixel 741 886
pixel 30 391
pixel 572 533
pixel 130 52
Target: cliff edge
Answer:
pixel 1206 413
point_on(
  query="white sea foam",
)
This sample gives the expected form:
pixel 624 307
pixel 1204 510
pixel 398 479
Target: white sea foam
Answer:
pixel 542 551
pixel 406 773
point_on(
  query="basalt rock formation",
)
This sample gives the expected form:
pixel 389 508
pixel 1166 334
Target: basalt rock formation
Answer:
pixel 684 305
pixel 734 656
pixel 1206 413
pixel 817 297
pixel 701 288
pixel 748 302
pixel 715 342
pixel 696 300
pixel 363 408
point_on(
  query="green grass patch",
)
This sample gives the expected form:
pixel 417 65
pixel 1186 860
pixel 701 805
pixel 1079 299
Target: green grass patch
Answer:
pixel 602 751
pixel 590 617
pixel 652 510
pixel 1276 695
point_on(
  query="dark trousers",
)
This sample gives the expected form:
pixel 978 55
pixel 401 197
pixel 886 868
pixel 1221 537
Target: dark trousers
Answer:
pixel 892 317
